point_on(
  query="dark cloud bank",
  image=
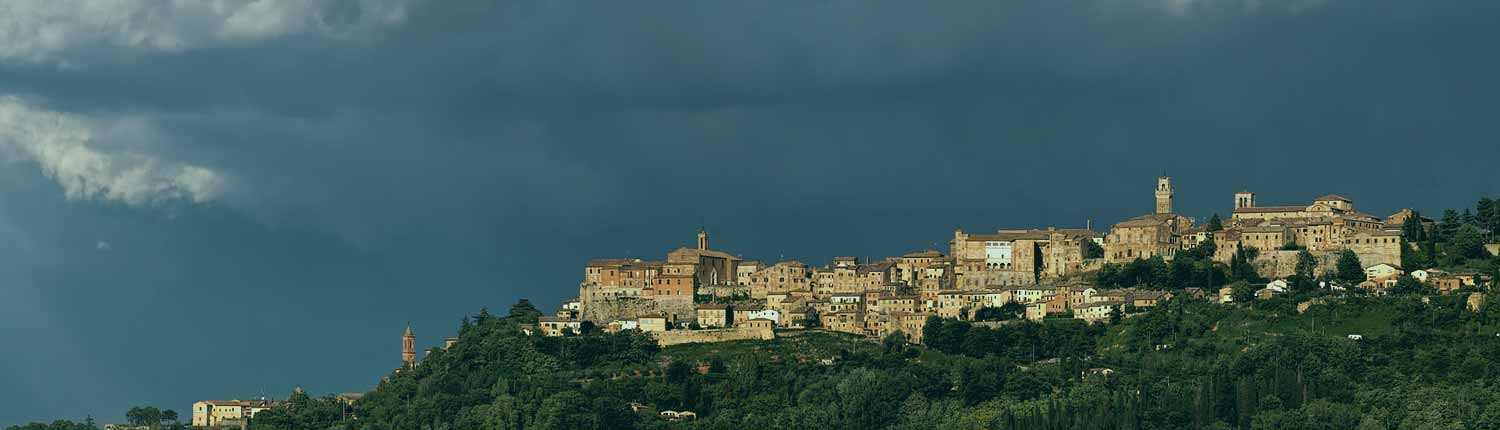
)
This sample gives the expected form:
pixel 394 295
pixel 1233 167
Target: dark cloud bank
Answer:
pixel 470 154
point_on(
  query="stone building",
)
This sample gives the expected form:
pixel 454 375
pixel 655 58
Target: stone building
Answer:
pixel 1146 236
pixel 910 265
pixel 1320 226
pixel 744 271
pixel 1375 246
pixel 622 288
pixel 1017 257
pixel 711 315
pixel 781 278
pixel 227 413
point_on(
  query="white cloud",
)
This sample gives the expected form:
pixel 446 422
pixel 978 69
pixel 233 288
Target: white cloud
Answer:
pixel 67 148
pixel 103 246
pixel 45 30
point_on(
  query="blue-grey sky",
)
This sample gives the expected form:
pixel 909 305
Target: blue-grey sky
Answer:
pixel 222 198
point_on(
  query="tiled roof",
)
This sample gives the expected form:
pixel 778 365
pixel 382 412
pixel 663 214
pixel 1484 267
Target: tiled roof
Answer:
pixel 1333 197
pixel 931 253
pixel 608 262
pixel 1147 220
pixel 1269 209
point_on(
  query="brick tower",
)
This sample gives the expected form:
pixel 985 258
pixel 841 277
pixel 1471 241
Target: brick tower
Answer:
pixel 408 349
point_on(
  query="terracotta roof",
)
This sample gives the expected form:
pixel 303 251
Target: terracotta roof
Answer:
pixel 1268 209
pixel 1333 197
pixel 1110 303
pixel 607 262
pixel 931 253
pixel 1147 220
pixel 705 252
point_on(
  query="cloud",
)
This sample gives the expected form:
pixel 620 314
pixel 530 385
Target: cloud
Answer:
pixel 46 30
pixel 69 150
pixel 103 246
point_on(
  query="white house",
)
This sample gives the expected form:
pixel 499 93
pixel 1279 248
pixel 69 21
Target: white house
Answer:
pixel 1382 270
pixel 769 314
pixel 1278 285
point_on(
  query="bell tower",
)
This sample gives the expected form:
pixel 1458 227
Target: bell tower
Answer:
pixel 702 239
pixel 1244 199
pixel 1164 195
pixel 408 349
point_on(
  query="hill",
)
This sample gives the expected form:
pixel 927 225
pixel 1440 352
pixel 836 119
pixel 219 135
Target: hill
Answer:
pixel 1189 365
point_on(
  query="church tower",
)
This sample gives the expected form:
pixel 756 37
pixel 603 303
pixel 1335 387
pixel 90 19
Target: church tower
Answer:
pixel 702 239
pixel 1163 195
pixel 408 349
pixel 1244 199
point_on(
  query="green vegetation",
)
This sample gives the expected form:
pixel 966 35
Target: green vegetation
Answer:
pixel 1456 242
pixel 1009 311
pixel 87 424
pixel 147 416
pixel 1193 267
pixel 1182 365
pixel 152 417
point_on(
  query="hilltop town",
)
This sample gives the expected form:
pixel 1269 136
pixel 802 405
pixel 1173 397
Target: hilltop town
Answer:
pixel 703 294
pixel 699 294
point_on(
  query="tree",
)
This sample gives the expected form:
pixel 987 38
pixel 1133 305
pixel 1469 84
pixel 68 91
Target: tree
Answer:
pixel 1304 277
pixel 1412 229
pixel 1242 292
pixel 1349 268
pixel 565 411
pixel 1092 250
pixel 1449 224
pixel 135 416
pixel 1214 223
pixel 1467 243
pixel 169 415
pixel 1489 215
pixel 1407 285
pixel 1008 311
pixel 525 312
pixel 1240 266
pixel 895 342
pixel 144 416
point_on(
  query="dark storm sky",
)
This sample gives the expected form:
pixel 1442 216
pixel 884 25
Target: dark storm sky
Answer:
pixel 215 201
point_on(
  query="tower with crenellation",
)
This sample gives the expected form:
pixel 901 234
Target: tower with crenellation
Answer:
pixel 1164 195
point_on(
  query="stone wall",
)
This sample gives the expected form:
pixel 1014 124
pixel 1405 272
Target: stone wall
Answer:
pixel 603 311
pixel 677 337
pixel 724 291
pixel 975 280
pixel 1278 264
